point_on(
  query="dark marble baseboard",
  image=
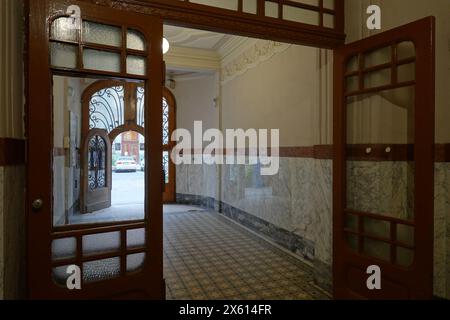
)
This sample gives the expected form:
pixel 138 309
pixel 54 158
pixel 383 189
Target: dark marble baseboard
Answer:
pixel 201 201
pixel 288 240
pixel 323 275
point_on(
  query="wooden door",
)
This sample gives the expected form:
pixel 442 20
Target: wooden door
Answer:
pixel 383 165
pixel 96 173
pixel 71 45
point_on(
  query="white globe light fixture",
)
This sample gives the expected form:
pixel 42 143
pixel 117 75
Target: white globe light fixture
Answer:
pixel 166 46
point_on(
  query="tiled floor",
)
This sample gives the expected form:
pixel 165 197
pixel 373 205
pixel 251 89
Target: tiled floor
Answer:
pixel 209 257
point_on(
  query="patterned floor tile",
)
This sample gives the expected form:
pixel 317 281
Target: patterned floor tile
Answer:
pixel 207 257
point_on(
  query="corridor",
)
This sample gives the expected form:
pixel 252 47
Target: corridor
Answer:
pixel 208 257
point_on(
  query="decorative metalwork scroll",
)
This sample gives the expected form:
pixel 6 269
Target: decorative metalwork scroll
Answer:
pixel 165 107
pixel 97 163
pixel 140 100
pixel 106 109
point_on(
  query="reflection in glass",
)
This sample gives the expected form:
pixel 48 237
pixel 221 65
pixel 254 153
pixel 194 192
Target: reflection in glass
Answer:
pixel 165 121
pixel 106 109
pixel 98 158
pixel 97 163
pixel 380 164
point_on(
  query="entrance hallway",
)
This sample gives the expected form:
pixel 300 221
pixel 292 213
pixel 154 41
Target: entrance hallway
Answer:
pixel 208 257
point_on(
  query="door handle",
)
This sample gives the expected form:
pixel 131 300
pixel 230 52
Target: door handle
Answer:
pixel 37 204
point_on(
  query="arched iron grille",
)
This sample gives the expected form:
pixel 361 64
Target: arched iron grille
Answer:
pixel 106 109
pixel 140 98
pixel 165 106
pixel 97 163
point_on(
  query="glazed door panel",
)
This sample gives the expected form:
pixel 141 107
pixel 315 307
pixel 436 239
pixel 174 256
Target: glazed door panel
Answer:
pixel 383 165
pixel 109 248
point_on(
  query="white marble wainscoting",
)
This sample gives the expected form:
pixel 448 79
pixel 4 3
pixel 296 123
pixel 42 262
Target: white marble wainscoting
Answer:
pixel 380 187
pixel 2 257
pixel 295 206
pixel 442 230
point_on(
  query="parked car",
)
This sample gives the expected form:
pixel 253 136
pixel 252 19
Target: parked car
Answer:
pixel 126 164
pixel 143 165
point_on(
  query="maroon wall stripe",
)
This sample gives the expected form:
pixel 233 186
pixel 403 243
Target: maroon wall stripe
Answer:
pixel 12 152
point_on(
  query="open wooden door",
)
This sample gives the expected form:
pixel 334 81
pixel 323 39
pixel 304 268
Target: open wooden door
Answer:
pixel 383 165
pixel 96 177
pixel 113 253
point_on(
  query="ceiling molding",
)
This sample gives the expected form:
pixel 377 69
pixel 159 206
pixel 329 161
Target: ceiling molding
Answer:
pixel 192 59
pixel 249 56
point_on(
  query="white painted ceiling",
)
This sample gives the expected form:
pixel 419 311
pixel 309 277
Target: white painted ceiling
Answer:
pixel 192 38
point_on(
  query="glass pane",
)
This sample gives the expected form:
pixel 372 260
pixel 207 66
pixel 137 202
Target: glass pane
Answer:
pixel 107 109
pixel 62 29
pixel 377 228
pixel 300 15
pixel 102 34
pixel 380 179
pixel 165 122
pixel 406 49
pixel 98 165
pixel 100 270
pixel 352 242
pixel 328 21
pixel 135 40
pixel 136 65
pixel 377 249
pixel 405 234
pixel 64 249
pixel 405 257
pixel 227 4
pixel 353 64
pixel 63 55
pixel 60 275
pixel 135 262
pixel 101 60
pixel 352 84
pixel 101 243
pixel 249 6
pixel 351 222
pixel 135 238
pixel 377 57
pixel 406 72
pixel 97 173
pixel 140 98
pixel 271 9
pixel 166 166
pixel 377 78
pixel 329 4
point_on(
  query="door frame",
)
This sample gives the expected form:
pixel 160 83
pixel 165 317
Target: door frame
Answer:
pixel 422 34
pixel 39 133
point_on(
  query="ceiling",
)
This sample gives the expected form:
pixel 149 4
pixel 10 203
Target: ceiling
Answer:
pixel 192 38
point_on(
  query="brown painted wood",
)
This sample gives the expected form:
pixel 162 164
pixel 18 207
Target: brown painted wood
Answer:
pixel 349 266
pixel 192 15
pixel 148 283
pixel 12 152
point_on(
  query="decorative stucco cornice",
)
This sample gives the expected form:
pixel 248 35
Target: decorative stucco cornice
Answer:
pixel 254 54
